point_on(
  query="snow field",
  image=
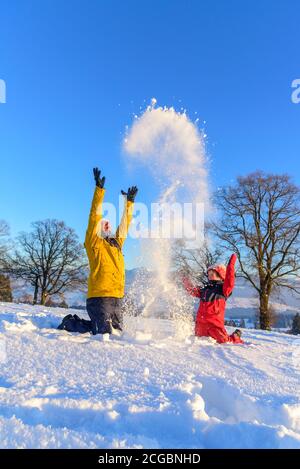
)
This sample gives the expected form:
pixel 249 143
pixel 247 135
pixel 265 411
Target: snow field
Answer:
pixel 155 387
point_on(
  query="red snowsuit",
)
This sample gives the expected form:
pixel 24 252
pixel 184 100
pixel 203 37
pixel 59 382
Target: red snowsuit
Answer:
pixel 210 315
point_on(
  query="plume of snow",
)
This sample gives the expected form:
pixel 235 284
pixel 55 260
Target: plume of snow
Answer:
pixel 171 148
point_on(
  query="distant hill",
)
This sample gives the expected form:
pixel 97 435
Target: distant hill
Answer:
pixel 242 304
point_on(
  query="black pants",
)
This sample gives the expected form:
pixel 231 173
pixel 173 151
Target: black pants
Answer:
pixel 105 313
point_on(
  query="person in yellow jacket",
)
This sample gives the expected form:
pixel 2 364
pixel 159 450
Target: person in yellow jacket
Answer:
pixel 106 283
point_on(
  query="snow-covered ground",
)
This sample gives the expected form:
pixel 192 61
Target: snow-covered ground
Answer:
pixel 157 387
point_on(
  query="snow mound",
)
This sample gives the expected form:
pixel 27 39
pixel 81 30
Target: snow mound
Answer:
pixel 146 389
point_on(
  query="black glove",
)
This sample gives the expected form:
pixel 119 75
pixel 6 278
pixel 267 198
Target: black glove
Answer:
pixel 99 181
pixel 131 193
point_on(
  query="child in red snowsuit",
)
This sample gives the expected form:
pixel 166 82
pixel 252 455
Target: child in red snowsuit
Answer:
pixel 210 315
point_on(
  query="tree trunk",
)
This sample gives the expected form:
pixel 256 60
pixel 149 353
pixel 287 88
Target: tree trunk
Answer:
pixel 36 292
pixel 43 297
pixel 264 312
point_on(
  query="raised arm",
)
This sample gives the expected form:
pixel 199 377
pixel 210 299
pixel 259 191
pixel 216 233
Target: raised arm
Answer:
pixel 228 284
pixel 122 229
pixel 96 210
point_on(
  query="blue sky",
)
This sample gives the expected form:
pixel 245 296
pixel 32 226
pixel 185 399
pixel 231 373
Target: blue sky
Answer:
pixel 77 71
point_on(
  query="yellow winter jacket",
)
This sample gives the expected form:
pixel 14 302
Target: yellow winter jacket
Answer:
pixel 107 267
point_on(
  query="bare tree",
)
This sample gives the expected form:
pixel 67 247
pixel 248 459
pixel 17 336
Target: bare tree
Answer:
pixel 260 221
pixel 4 231
pixel 50 258
pixel 5 286
pixel 194 261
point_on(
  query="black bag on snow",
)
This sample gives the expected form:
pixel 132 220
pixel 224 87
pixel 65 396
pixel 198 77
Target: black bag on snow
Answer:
pixel 73 323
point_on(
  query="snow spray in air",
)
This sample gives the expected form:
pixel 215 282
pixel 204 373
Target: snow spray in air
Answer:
pixel 171 148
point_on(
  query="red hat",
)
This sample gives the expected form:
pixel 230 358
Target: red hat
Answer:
pixel 220 269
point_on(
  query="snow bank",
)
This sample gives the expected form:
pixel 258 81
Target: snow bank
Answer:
pixel 59 390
